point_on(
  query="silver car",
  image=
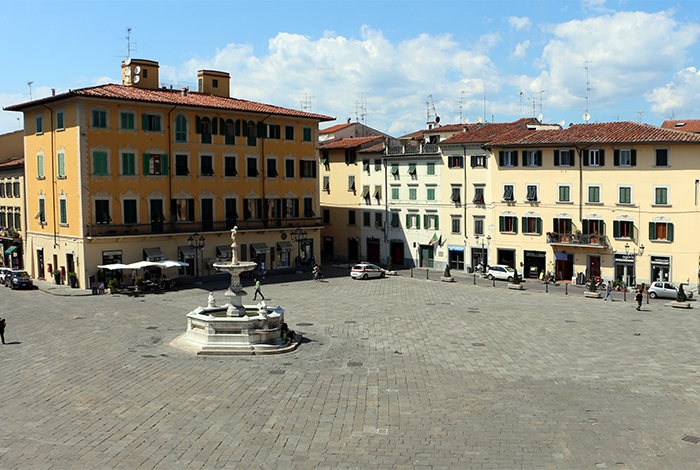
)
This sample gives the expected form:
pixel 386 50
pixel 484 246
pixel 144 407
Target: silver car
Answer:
pixel 666 290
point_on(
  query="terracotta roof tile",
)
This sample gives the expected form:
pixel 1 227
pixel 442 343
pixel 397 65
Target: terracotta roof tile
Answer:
pixel 349 142
pixel 15 162
pixel 599 133
pixel 172 97
pixel 336 128
pixel 485 132
pixel 420 134
pixel 374 148
pixel 687 125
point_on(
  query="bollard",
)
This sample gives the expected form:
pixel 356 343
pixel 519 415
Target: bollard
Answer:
pixel 474 278
pixel 494 282
pixel 546 287
pixel 624 294
pixel 566 289
pixel 411 272
pixel 647 296
pixel 427 273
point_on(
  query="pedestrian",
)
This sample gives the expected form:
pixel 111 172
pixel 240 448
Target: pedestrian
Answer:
pixel 262 268
pixel 257 290
pixel 609 292
pixel 639 298
pixel 2 329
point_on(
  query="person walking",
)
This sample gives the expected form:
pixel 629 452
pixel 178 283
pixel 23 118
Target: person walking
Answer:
pixel 608 292
pixel 2 329
pixel 257 290
pixel 639 297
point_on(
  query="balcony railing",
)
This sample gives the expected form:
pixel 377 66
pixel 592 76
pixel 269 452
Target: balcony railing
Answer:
pixel 577 239
pixel 412 149
pixel 112 230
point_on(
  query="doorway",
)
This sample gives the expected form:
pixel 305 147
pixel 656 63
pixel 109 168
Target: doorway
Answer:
pixel 426 256
pixel 593 267
pixel 328 248
pixel 353 249
pixel 397 254
pixel 506 257
pixel 40 263
pixel 373 250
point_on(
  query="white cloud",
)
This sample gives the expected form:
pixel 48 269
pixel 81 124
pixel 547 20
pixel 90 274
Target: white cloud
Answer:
pixel 521 49
pixel 681 96
pixel 520 24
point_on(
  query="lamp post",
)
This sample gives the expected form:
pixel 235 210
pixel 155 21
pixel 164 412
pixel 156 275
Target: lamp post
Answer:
pixel 198 245
pixel 484 242
pixel 297 236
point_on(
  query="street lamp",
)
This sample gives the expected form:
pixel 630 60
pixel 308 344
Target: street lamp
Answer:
pixel 487 243
pixel 297 236
pixel 198 245
pixel 635 253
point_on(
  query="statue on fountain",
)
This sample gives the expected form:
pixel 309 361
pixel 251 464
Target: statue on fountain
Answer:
pixel 234 245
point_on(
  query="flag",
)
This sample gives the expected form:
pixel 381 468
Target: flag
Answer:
pixel 440 241
pixel 433 240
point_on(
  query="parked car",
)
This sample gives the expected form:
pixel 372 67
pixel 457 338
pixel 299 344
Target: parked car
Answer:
pixel 3 273
pixel 500 271
pixel 366 270
pixel 18 278
pixel 666 290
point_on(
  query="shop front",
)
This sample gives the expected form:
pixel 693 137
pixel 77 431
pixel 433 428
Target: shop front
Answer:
pixel 111 257
pixel 480 257
pixel 427 259
pixel 455 255
pixel 564 268
pixel 506 256
pixel 535 262
pixel 625 268
pixel 397 253
pixel 660 268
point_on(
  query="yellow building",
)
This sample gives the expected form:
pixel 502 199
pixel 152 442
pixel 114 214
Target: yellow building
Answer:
pixel 12 214
pixel 123 173
pixel 617 200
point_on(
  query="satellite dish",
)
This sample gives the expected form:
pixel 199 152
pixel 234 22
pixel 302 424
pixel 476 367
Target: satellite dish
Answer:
pixel 437 119
pixel 586 117
pixel 479 120
pixel 539 117
pixel 562 123
pixel 466 120
pixel 137 79
pixel 127 72
pixel 127 61
pixel 137 70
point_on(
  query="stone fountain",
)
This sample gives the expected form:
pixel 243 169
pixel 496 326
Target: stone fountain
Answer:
pixel 234 328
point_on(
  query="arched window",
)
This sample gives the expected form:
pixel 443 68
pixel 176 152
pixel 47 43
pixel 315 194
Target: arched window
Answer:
pixel 230 138
pixel 252 140
pixel 206 130
pixel 180 128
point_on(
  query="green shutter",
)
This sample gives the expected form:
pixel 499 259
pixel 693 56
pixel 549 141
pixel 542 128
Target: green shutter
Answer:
pixel 524 223
pixel 652 231
pixel 585 227
pixel 146 164
pixel 198 124
pixel 572 152
pixel 633 154
pixel 568 225
pixel 602 228
pixel 144 122
pixel 437 222
pixel 164 164
pixel 539 226
pixel 556 225
pixel 214 126
pixel 616 157
pixel 515 158
pixel 425 220
pixel 524 153
pixel 408 220
pixel 616 228
pixel 556 158
pixel 515 224
pixel 417 221
pixel 669 232
pixel 501 223
pixel 244 128
pixel 539 158
pixel 501 158
pixel 601 152
pixel 261 130
pixel 222 126
pixel 237 127
pixel 586 156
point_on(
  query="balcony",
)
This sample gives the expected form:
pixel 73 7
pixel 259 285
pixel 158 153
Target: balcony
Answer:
pixel 412 149
pixel 577 239
pixel 119 230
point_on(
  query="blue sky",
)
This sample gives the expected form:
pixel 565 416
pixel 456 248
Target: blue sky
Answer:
pixel 392 56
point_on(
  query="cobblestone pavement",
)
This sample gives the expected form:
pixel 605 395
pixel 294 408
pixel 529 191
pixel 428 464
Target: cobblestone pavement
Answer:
pixel 394 373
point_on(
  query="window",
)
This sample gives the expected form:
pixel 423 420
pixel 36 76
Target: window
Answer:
pixel 594 157
pixel 102 212
pixel 564 191
pixel 562 226
pixel 127 121
pixel 456 195
pixel 229 132
pixel 291 208
pixel 181 165
pixel 593 227
pixel 412 194
pixel 412 221
pixel 456 225
pixel 129 215
pixel 326 216
pixel 661 195
pixel 18 219
pixel 661 157
pixel 39 123
pixel 625 157
pixel 478 161
pixel 623 229
pixel 99 118
pixel 324 160
pixel 204 128
pixel 661 231
pixel 230 166
pixel 2 217
pixel 150 122
pixel 155 164
pixel 532 158
pixel 252 139
pixel 508 192
pixel 60 121
pixel 350 157
pixel 479 226
pixel 366 219
pixel 351 217
pixel 307 168
pixel 351 182
pixel 455 161
pixel 431 194
pixel 8 189
pixel 412 170
pixel 271 168
pixel 531 195
pixel 231 213
pixel 395 220
pixel 206 165
pixel 365 192
pixel 395 170
pixel 2 190
pixel 273 131
pixel 40 166
pixel 508 224
pixel 365 165
pixel 99 163
pixel 288 132
pixel 252 167
pixel 532 225
pixel 289 168
pixel 15 189
pixel 183 210
pixel 394 193
pixel 564 158
pixel 478 195
pixel 252 209
pixel 42 212
pixel 63 210
pixel 594 194
pixel 431 221
pixel 61 160
pixel 624 195
pixel 180 128
pixel 377 164
pixel 306 134
pixel 508 158
pixel 431 168
pixel 326 183
pixel 377 192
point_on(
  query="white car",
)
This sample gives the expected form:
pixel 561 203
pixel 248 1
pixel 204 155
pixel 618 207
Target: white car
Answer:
pixel 666 290
pixel 501 271
pixel 366 270
pixel 3 273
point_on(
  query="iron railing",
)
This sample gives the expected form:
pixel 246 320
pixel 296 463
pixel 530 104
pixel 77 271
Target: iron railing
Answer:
pixel 577 239
pixel 412 149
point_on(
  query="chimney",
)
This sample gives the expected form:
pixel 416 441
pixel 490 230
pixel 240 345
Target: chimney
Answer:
pixel 53 92
pixel 214 83
pixel 140 73
pixel 184 91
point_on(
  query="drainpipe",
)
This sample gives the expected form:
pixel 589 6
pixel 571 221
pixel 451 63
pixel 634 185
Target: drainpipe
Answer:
pixel 53 180
pixel 264 175
pixel 171 167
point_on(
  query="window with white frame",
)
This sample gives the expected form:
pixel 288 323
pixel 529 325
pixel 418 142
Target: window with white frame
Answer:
pixel 595 157
pixel 61 164
pixel 456 196
pixel 564 157
pixel 431 221
pixel 63 211
pixel 508 158
pixel 593 194
pixel 661 230
pixel 532 225
pixel 413 220
pixel 624 194
pixel 661 157
pixel 127 120
pixel 40 166
pixel 661 195
pixel 351 182
pixel 532 192
pixel 509 192
pixel 533 158
pixel 508 224
pixel 456 224
pixel 564 192
pixel 478 194
pixel 623 229
pixel 625 157
pixel 478 225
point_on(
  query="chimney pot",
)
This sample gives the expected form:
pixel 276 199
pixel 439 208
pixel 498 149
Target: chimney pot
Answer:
pixel 53 92
pixel 184 91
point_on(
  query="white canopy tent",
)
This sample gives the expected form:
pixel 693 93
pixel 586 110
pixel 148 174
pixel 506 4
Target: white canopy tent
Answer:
pixel 168 263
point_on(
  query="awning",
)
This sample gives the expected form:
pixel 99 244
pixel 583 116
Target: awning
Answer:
pixel 223 251
pixel 455 248
pixel 168 263
pixel 411 168
pixel 10 249
pixel 188 252
pixel 394 169
pixel 285 246
pixel 153 254
pixel 378 192
pixel 260 247
pixel 324 161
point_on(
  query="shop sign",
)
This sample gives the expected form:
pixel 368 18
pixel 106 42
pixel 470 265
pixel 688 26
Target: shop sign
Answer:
pixel 660 260
pixel 535 254
pixel 624 257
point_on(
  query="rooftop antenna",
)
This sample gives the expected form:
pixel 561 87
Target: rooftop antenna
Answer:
pixel 30 90
pixel 484 98
pixel 361 108
pixel 306 103
pixel 541 100
pixel 640 113
pixel 461 104
pixel 521 103
pixel 430 108
pixel 130 47
pixel 588 88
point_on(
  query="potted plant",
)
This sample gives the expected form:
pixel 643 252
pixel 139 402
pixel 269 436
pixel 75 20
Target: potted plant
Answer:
pixel 139 282
pixel 592 292
pixel 447 276
pixel 390 267
pixel 515 283
pixel 113 286
pixel 681 299
pixel 72 279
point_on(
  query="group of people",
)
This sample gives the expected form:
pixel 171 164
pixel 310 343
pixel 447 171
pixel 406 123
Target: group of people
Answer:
pixel 638 297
